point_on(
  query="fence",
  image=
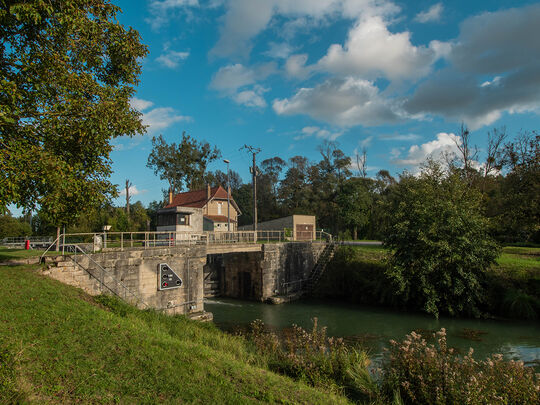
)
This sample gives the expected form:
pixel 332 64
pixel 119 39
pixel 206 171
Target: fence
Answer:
pixel 35 241
pixel 95 242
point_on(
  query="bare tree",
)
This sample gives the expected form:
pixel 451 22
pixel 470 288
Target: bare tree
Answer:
pixel 494 158
pixel 467 153
pixel 361 163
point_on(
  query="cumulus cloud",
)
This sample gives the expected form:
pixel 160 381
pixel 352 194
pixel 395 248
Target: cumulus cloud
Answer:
pixel 371 50
pixel 239 83
pixel 160 118
pixel 296 66
pixel 245 19
pixel 172 59
pixel 133 190
pixel 279 50
pixel 251 98
pixel 341 102
pixel 162 10
pixel 140 104
pixel 434 13
pixel 319 133
pixel 443 144
pixel 502 45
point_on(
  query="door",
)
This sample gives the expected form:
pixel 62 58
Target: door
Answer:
pixel 304 231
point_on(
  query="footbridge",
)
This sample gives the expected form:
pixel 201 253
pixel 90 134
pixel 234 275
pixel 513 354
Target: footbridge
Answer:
pixel 174 271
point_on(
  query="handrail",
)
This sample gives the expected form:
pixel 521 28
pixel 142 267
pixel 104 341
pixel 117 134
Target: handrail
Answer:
pixel 77 247
pixel 50 246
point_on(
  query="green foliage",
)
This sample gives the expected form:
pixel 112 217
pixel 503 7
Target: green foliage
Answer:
pixel 68 70
pixel 73 349
pixel 10 226
pixel 355 200
pixel 434 374
pixel 315 358
pixel 441 248
pixel 183 165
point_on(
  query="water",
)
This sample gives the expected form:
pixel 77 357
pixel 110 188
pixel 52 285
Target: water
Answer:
pixel 374 327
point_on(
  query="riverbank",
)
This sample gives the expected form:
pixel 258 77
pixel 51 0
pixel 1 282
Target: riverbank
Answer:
pixel 59 345
pixel 512 286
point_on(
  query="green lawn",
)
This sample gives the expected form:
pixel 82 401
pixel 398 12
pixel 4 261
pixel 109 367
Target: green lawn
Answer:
pixel 59 345
pixel 520 262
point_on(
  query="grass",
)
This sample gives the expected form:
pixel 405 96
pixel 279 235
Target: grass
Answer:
pixel 519 262
pixel 60 345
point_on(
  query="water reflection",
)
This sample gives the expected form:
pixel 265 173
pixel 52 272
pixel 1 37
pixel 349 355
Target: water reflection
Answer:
pixel 374 327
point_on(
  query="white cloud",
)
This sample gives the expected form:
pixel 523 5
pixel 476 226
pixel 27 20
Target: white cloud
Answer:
pixel 279 50
pixel 417 154
pixel 319 133
pixel 251 98
pixel 247 18
pixel 341 102
pixel 364 143
pixel 371 50
pixel 234 81
pixel 162 11
pixel 232 77
pixel 172 59
pixel 161 118
pixel 434 13
pixel 399 137
pixel 132 191
pixel 140 104
pixel 296 66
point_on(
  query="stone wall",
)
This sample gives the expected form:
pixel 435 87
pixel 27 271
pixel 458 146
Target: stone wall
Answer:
pixel 261 275
pixel 137 270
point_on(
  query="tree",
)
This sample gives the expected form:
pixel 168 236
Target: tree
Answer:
pixel 355 200
pixel 68 70
pixel 10 226
pixel 440 243
pixel 183 165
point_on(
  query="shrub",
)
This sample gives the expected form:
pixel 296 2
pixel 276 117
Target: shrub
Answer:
pixel 435 374
pixel 441 248
pixel 315 358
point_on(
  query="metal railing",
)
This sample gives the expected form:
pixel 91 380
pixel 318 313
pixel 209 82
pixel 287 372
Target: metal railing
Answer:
pixel 19 241
pixel 121 290
pixel 111 241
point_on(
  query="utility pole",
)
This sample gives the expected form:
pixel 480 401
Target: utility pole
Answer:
pixel 254 173
pixel 228 197
pixel 128 185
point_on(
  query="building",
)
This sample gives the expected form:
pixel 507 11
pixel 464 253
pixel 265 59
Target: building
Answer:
pixel 299 227
pixel 198 211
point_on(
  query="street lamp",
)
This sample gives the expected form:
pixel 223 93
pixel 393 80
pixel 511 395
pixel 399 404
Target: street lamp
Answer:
pixel 228 198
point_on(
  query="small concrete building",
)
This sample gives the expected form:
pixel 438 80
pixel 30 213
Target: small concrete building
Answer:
pixel 301 227
pixel 198 211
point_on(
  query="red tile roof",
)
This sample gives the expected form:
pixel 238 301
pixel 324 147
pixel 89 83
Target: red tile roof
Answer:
pixel 197 198
pixel 218 218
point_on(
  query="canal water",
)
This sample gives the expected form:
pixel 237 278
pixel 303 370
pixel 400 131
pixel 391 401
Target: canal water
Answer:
pixel 373 327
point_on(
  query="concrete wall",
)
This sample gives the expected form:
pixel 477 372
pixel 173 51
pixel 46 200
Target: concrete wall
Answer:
pixel 278 263
pixel 279 224
pixel 138 271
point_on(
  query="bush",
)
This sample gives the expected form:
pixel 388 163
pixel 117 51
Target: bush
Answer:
pixel 428 374
pixel 441 248
pixel 315 358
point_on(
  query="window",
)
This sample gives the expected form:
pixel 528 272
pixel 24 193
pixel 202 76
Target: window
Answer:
pixel 219 208
pixel 182 219
pixel 166 219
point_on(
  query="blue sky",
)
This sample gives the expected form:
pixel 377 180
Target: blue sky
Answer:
pixel 394 77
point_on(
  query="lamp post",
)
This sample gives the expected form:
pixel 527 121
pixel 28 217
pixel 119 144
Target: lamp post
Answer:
pixel 228 198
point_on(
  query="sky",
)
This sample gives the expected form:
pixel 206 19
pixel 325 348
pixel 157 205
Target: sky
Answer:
pixel 394 77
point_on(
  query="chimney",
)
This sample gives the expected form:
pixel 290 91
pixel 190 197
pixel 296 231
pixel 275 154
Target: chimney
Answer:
pixel 208 192
pixel 170 196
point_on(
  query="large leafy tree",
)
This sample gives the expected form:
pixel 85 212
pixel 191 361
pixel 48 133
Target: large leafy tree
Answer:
pixel 440 242
pixel 67 72
pixel 184 164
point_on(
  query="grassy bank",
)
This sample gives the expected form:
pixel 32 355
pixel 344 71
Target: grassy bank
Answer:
pixel 59 345
pixel 512 285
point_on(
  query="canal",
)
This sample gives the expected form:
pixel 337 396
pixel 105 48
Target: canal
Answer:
pixel 373 327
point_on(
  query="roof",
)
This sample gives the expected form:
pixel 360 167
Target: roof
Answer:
pixel 198 198
pixel 218 218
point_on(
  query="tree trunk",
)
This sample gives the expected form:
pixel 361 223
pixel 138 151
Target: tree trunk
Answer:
pixel 57 238
pixel 355 232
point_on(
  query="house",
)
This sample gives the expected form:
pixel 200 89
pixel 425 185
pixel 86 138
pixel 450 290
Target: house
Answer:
pixel 198 211
pixel 299 227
